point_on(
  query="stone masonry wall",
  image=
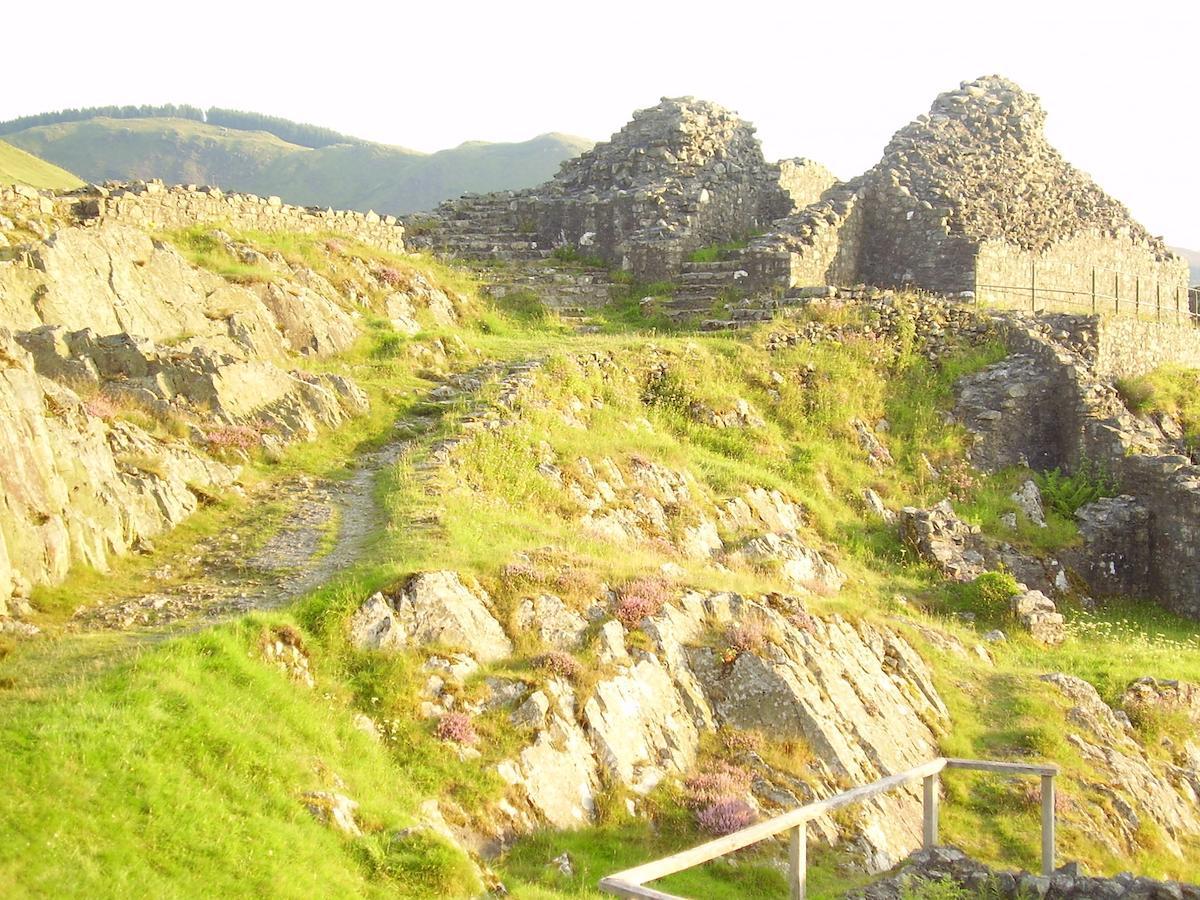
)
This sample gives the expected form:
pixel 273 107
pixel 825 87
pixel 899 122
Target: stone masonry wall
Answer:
pixel 1130 276
pixel 909 243
pixel 975 186
pixel 1125 347
pixel 680 175
pixel 152 205
pixel 1047 406
pixel 820 246
pixel 803 183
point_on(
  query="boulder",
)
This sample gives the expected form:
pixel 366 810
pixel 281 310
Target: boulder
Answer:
pixel 1040 617
pixel 1029 501
pixel 335 810
pixel 431 608
pixel 555 623
pixel 940 537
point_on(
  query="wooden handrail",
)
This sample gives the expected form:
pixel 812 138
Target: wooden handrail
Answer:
pixel 631 882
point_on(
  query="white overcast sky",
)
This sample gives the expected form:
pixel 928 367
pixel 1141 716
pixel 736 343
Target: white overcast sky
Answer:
pixel 830 80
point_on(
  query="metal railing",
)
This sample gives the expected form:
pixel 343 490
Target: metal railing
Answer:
pixel 631 882
pixel 1109 291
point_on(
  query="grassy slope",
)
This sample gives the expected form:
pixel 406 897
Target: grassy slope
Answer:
pixel 180 771
pixel 20 167
pixel 347 176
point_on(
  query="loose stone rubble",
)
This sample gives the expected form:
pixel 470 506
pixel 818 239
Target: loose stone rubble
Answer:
pixel 938 535
pixel 949 865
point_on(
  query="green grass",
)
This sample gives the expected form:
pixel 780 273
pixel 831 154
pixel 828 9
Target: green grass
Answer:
pixel 176 772
pixel 19 167
pixel 160 779
pixel 990 499
pixel 1170 390
pixel 528 873
pixel 717 252
pixel 203 250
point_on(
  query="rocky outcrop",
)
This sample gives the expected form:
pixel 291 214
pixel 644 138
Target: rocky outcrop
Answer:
pixel 858 696
pixel 1123 777
pixel 201 386
pixel 431 608
pixel 78 488
pixel 1164 696
pixel 950 867
pixel 115 279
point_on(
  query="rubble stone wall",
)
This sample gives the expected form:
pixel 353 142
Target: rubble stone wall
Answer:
pixel 803 183
pixel 1045 406
pixel 154 206
pixel 822 247
pixel 973 186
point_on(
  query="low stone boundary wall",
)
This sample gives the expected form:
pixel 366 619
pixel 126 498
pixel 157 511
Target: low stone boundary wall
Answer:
pixel 150 204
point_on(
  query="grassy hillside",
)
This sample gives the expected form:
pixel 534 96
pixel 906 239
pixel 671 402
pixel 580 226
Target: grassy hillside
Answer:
pixel 19 167
pixel 181 770
pixel 359 175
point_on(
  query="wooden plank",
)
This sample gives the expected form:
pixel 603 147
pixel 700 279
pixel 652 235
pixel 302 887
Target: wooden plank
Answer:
pixel 613 885
pixel 798 862
pixel 1002 768
pixel 669 865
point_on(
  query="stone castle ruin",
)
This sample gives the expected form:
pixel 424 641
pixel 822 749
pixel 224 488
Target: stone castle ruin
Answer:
pixel 681 175
pixel 972 197
pixel 968 199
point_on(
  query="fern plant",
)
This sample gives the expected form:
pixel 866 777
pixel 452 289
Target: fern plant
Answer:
pixel 1066 492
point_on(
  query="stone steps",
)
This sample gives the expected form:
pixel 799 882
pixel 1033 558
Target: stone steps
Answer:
pixel 721 265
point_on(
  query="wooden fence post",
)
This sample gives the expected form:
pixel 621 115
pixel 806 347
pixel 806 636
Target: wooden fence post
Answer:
pixel 1093 290
pixel 1137 297
pixel 1158 301
pixel 1033 286
pixel 798 862
pixel 1047 825
pixel 1116 292
pixel 930 813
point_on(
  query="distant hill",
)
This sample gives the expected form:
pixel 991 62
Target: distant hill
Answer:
pixel 328 169
pixel 19 167
pixel 1193 261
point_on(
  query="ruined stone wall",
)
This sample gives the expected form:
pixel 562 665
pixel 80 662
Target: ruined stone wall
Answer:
pixel 802 183
pixel 909 243
pixel 1131 277
pixel 1125 347
pixel 820 246
pixel 975 185
pixel 152 205
pixel 681 175
pixel 1044 406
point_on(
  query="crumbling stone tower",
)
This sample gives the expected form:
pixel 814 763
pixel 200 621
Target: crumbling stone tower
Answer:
pixel 680 175
pixel 972 197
